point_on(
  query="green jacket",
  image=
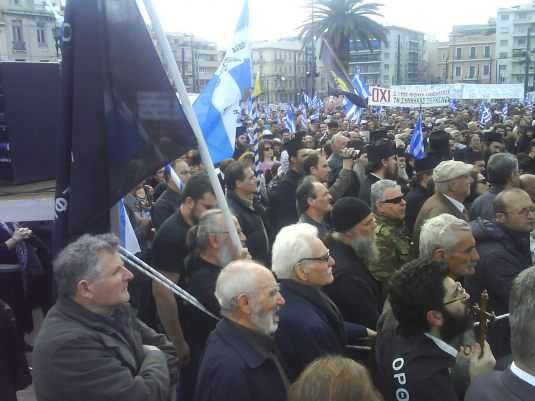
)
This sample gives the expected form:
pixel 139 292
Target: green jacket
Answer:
pixel 394 249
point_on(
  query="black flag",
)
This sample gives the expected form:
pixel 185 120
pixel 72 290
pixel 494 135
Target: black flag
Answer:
pixel 122 118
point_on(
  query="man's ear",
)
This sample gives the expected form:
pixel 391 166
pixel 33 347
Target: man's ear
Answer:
pixel 189 202
pixel 500 217
pixel 243 304
pixel 435 318
pixel 83 290
pixel 301 273
pixel 439 254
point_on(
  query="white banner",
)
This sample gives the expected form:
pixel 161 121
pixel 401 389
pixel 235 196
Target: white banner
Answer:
pixel 417 96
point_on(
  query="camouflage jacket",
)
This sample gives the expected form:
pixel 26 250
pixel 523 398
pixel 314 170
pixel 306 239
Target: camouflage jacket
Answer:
pixel 394 249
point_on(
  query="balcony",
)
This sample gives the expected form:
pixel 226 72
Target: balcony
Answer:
pixel 19 46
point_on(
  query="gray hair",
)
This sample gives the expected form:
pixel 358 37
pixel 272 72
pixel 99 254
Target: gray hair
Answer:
pixel 442 187
pixel 210 222
pixel 378 189
pixel 80 260
pixel 500 167
pixel 522 308
pixel 291 245
pixel 440 232
pixel 237 278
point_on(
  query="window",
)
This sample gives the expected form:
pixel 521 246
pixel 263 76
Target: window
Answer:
pixel 503 67
pixel 487 51
pixel 521 41
pixel 486 70
pixel 457 71
pixel 41 40
pixel 17 31
pixel 522 15
pixel 472 52
pixel 472 72
pixel 504 42
pixel 386 67
pixel 504 17
pixel 458 53
pixel 386 55
pixel 386 78
pixel 504 55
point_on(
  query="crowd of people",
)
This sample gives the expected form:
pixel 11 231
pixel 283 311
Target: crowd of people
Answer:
pixel 358 275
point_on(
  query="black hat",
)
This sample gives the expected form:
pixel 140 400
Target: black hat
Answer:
pixel 439 141
pixel 471 156
pixel 381 149
pixel 296 143
pixel 348 212
pixel 425 164
pixel 378 134
pixel 489 137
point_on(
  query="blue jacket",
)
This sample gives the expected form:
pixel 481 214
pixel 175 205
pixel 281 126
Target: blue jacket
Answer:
pixel 233 369
pixel 309 329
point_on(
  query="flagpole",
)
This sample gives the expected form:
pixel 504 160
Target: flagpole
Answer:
pixel 167 55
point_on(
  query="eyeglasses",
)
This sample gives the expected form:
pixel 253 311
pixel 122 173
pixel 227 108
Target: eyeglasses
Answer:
pixel 266 148
pixel 395 201
pixel 482 181
pixel 323 258
pixel 463 297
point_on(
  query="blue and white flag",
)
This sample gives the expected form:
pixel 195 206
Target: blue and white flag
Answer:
pixel 352 111
pixel 453 105
pixel 505 111
pixel 289 119
pixel 485 115
pixel 252 109
pixel 360 86
pixel 217 103
pixel 416 147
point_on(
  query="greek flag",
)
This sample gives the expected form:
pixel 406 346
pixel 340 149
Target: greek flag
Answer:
pixel 485 115
pixel 505 111
pixel 170 172
pixel 307 100
pixel 353 112
pixel 360 86
pixel 453 105
pixel 416 147
pixel 252 110
pixel 289 119
pixel 216 105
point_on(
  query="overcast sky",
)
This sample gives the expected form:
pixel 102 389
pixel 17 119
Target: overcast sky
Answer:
pixel 271 19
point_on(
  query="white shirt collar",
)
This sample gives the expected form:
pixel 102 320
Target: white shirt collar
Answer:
pixel 456 203
pixel 522 375
pixel 444 346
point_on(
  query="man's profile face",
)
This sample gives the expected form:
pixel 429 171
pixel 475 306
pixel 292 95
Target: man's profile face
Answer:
pixel 463 257
pixel 206 202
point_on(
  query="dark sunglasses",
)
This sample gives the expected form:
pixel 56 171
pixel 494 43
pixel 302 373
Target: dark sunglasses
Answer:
pixel 395 201
pixel 482 181
pixel 267 148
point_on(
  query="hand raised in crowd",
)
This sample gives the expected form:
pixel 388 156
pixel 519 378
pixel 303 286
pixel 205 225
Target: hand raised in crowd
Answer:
pixel 348 155
pixel 479 361
pixel 21 234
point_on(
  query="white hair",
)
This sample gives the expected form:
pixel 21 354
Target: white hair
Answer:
pixel 237 278
pixel 440 232
pixel 442 187
pixel 292 243
pixel 377 192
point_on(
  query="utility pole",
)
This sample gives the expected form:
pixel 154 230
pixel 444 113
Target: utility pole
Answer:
pixel 528 59
pixel 398 67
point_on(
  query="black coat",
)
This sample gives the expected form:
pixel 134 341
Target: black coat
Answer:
pixel 283 201
pixel 252 224
pixel 415 199
pixel 354 290
pixel 233 369
pixel 503 255
pixel 500 386
pixel 414 368
pixel 310 326
pixel 366 187
pixel 164 207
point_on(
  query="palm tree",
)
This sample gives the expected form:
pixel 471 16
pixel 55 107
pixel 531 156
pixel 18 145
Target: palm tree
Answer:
pixel 339 21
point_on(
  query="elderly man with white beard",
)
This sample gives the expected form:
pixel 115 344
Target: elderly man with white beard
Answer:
pixel 241 362
pixel 352 244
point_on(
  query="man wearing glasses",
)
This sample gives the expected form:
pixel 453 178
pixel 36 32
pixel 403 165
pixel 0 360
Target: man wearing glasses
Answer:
pixel 392 239
pixel 416 362
pixel 310 324
pixel 504 250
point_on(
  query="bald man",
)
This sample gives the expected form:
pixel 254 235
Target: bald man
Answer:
pixel 527 183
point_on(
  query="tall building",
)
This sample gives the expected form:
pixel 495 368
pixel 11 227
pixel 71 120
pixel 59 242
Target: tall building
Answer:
pixel 471 54
pixel 285 69
pixel 28 32
pixel 197 59
pixel 515 43
pixel 397 62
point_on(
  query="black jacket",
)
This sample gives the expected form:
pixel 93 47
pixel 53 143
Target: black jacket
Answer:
pixel 164 207
pixel 283 201
pixel 235 369
pixel 252 224
pixel 354 290
pixel 414 368
pixel 503 255
pixel 415 199
pixel 310 327
pixel 366 187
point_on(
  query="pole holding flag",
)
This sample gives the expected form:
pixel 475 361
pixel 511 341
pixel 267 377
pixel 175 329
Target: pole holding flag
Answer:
pixel 190 114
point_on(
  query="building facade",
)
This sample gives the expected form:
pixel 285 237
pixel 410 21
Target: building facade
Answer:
pixel 28 32
pixel 285 69
pixel 197 59
pixel 515 44
pixel 397 62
